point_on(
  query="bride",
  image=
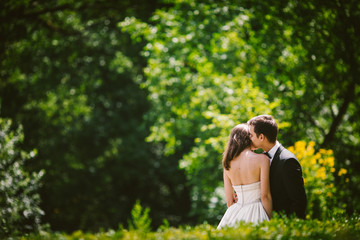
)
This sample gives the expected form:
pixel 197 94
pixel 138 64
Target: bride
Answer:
pixel 247 173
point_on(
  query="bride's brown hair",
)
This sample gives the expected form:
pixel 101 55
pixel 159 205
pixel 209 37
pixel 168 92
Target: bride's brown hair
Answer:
pixel 239 140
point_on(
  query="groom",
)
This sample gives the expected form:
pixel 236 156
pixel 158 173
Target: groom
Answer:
pixel 286 182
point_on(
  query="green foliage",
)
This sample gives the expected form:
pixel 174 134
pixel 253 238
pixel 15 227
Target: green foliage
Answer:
pixel 277 228
pixel 19 198
pixel 69 76
pixel 324 199
pixel 140 219
pixel 200 87
pixel 308 57
pixel 212 65
pixel 88 97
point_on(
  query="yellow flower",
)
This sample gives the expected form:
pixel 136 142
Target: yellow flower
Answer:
pixel 291 149
pixel 330 152
pixel 310 151
pixel 318 191
pixel 317 156
pixel 332 169
pixel 312 143
pixel 321 173
pixel 329 194
pixel 300 146
pixel 300 155
pixel 346 179
pixel 322 151
pixel 330 161
pixel 342 171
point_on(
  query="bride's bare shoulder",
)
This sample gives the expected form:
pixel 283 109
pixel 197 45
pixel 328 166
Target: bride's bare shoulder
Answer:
pixel 258 156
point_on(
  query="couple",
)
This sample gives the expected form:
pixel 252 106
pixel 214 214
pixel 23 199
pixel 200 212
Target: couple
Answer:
pixel 262 182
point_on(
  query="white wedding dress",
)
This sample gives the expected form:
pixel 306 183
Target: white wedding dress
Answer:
pixel 248 207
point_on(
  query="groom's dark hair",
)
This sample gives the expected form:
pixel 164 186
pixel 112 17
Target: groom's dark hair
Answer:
pixel 265 124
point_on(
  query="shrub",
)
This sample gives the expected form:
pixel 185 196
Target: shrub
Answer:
pixel 278 228
pixel 19 200
pixel 141 221
pixel 318 172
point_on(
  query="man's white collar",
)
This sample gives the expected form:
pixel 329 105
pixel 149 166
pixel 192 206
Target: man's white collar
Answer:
pixel 273 149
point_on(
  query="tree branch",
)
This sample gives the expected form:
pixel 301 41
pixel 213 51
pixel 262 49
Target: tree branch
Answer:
pixel 48 10
pixel 52 27
pixel 312 121
pixel 349 95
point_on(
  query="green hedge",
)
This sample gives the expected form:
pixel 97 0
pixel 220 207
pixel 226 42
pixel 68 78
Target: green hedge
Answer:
pixel 277 228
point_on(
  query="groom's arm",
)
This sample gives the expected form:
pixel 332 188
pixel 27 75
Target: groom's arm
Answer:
pixel 294 185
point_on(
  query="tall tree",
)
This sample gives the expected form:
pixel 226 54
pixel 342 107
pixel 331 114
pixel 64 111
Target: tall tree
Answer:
pixel 214 64
pixel 69 76
pixel 312 56
pixel 201 86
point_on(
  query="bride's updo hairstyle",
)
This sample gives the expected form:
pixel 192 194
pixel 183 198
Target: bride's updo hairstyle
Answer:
pixel 239 140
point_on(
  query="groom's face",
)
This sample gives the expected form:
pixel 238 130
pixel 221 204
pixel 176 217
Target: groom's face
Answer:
pixel 256 142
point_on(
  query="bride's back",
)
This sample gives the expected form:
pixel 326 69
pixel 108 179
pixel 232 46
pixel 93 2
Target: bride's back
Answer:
pixel 244 169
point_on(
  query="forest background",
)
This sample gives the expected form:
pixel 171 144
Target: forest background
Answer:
pixel 103 103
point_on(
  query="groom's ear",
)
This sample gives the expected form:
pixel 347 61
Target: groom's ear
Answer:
pixel 262 137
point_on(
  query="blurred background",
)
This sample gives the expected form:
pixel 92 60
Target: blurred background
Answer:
pixel 103 103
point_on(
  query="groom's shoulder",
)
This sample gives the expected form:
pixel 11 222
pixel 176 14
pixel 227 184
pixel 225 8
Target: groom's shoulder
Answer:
pixel 286 154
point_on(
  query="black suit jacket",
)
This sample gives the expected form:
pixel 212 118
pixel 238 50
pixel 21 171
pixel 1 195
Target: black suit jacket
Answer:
pixel 287 184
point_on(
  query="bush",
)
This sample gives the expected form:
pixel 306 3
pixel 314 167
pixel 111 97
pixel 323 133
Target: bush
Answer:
pixel 141 221
pixel 277 228
pixel 19 200
pixel 318 172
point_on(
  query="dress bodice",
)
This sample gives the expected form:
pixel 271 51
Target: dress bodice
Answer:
pixel 248 207
pixel 249 193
